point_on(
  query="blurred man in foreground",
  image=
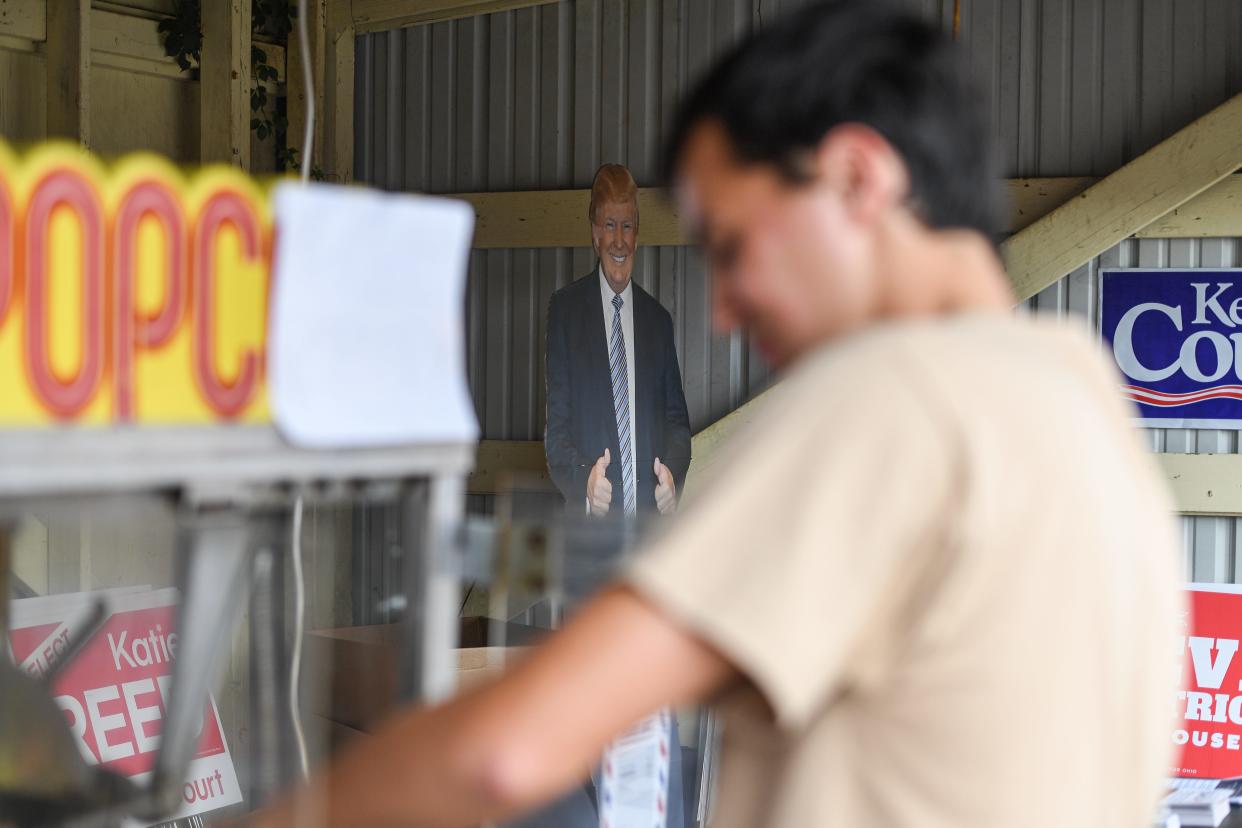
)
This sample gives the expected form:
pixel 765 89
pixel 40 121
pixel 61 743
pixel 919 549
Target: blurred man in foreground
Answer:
pixel 934 583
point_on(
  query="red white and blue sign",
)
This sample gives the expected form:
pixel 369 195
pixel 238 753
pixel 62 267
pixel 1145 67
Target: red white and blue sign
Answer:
pixel 1176 336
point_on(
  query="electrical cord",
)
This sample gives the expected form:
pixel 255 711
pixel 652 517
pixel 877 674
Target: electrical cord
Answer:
pixel 308 138
pixel 299 619
pixel 299 585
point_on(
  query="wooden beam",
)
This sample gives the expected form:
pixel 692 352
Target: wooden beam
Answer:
pixel 133 43
pixel 557 218
pixel 706 445
pixel 1201 484
pixel 1160 180
pixel 224 89
pixel 500 462
pixel 1030 199
pixel 69 70
pixel 338 113
pixel 1204 484
pixel 316 20
pixel 24 19
pixel 381 15
pixel 1217 212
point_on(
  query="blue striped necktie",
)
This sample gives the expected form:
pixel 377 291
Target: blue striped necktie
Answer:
pixel 621 402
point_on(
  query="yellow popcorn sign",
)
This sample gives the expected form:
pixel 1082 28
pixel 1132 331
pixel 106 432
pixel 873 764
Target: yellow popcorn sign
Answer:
pixel 131 294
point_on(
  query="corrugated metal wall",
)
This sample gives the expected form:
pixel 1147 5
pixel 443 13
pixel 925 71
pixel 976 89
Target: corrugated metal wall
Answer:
pixel 1079 87
pixel 537 99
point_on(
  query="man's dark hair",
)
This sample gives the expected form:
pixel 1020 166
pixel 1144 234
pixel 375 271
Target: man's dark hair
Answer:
pixel 870 62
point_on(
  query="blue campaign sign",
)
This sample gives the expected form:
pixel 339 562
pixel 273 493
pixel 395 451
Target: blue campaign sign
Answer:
pixel 1177 338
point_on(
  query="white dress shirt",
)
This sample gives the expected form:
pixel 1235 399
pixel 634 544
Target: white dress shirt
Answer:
pixel 627 328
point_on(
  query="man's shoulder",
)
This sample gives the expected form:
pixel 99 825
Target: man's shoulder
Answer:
pixel 649 304
pixel 576 289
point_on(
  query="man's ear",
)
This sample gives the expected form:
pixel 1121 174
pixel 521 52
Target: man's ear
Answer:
pixel 864 169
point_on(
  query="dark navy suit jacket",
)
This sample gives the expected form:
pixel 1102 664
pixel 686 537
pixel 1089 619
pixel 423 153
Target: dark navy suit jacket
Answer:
pixel 581 419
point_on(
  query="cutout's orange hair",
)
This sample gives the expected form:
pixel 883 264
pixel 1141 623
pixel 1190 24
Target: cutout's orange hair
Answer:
pixel 613 182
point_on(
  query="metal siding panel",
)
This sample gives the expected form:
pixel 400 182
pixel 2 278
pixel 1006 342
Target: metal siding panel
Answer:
pixel 526 99
pixel 477 335
pixel 1119 79
pixel 672 61
pixel 556 153
pixel 471 100
pixel 1189 98
pixel 364 103
pixel 394 150
pixel 586 111
pixel 1156 74
pixel 1007 43
pixel 1053 125
pixel 643 98
pixel 697 49
pixel 697 365
pixel 1030 57
pixel 733 21
pixel 495 371
pixel 498 98
pixel 377 93
pixel 612 86
pixel 443 107
pixel 978 36
pixel 416 126
pixel 526 375
pixel 1085 87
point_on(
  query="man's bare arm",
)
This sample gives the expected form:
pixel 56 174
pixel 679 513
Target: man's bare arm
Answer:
pixel 513 744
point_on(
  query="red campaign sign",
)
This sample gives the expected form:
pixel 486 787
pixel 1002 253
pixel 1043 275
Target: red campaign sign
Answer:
pixel 115 692
pixel 1209 709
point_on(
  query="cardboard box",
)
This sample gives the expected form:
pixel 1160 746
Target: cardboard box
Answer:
pixel 352 671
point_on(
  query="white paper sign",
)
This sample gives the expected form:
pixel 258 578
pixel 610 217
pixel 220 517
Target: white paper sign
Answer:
pixel 367 338
pixel 634 776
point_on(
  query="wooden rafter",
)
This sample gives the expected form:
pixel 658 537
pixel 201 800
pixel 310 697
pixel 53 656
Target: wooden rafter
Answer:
pixel 1118 206
pixel 381 15
pixel 557 218
pixel 1204 484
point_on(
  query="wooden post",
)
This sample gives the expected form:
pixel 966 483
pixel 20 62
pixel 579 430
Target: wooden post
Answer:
pixel 339 92
pixel 224 87
pixel 68 70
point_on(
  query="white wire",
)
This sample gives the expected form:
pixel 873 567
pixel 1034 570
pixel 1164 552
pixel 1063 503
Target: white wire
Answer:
pixel 299 618
pixel 308 139
pixel 299 586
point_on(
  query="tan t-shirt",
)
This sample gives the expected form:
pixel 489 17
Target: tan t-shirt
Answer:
pixel 948 569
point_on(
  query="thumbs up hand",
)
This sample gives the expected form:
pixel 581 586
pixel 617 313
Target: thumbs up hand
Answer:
pixel 666 489
pixel 599 489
